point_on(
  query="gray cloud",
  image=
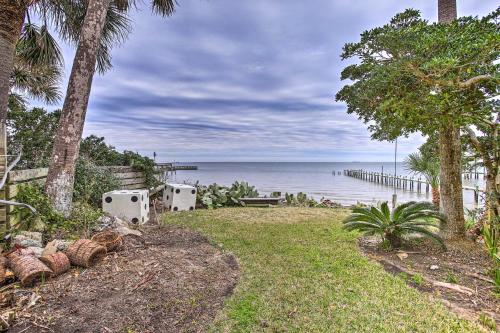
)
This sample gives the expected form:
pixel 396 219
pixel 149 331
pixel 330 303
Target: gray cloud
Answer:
pixel 243 80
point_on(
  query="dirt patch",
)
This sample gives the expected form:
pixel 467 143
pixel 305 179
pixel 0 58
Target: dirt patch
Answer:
pixel 464 264
pixel 172 280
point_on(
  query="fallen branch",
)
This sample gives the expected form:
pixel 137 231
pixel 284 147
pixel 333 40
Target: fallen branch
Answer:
pixel 451 286
pixel 480 277
pixel 144 280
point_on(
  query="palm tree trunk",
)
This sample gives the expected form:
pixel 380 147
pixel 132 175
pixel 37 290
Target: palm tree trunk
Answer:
pixel 450 155
pixel 436 196
pixel 11 21
pixel 447 10
pixel 61 176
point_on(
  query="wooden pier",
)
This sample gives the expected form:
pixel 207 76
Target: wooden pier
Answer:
pixel 174 167
pixel 401 182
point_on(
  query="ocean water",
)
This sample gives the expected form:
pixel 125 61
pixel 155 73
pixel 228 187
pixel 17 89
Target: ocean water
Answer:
pixel 316 179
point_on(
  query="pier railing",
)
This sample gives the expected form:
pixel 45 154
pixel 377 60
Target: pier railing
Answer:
pixel 401 182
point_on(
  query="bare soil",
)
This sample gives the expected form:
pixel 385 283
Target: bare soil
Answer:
pixel 171 280
pixel 464 264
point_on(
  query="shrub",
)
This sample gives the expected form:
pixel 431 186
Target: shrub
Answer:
pixel 300 200
pixel 83 219
pixel 408 218
pixel 91 182
pixel 216 196
pixel 48 220
pixel 46 217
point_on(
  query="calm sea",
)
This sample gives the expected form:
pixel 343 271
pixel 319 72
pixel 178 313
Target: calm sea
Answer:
pixel 316 179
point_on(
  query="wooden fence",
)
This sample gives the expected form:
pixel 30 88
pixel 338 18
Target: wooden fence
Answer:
pixel 129 178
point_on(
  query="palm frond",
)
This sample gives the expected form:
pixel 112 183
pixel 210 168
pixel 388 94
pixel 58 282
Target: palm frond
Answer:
pixel 410 217
pixel 425 232
pixel 427 167
pixel 37 47
pixel 164 7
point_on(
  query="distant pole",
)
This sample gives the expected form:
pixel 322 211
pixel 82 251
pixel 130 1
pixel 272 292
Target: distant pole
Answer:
pixel 394 195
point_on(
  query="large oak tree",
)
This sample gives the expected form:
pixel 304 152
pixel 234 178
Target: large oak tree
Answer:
pixel 413 76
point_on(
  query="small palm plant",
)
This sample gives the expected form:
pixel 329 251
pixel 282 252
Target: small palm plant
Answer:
pixel 408 218
pixel 429 168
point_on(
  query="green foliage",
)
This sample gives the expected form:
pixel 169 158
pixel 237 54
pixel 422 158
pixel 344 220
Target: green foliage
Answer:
pixel 91 182
pixel 94 149
pixel 472 216
pixel 144 164
pixel 451 278
pixel 46 218
pixel 301 200
pixel 216 196
pixel 34 130
pixel 413 76
pixel 408 218
pixel 487 321
pixel 83 219
pixel 418 279
pixel 424 165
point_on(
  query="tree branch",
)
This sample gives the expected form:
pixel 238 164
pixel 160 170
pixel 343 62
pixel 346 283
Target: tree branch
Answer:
pixel 474 80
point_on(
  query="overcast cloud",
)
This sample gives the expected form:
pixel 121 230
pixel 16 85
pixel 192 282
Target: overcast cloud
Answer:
pixel 227 80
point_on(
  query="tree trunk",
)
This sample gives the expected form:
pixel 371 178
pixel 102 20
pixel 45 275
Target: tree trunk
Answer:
pixel 450 154
pixel 436 196
pixel 447 10
pixel 61 176
pixel 11 22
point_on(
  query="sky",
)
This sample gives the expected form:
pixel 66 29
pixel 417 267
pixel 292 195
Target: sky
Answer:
pixel 227 80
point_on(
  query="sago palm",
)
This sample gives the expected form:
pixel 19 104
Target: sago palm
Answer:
pixel 406 219
pixel 427 167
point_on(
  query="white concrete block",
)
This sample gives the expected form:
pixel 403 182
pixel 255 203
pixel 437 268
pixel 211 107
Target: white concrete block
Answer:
pixel 129 205
pixel 179 197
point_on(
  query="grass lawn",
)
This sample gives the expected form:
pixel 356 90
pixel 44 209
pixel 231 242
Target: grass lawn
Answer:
pixel 302 273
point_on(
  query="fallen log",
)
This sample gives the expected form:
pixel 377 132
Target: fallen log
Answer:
pixel 28 268
pixel 85 253
pixel 58 262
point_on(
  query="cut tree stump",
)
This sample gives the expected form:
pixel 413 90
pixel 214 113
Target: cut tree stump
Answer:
pixel 58 262
pixel 28 268
pixel 85 253
pixel 111 240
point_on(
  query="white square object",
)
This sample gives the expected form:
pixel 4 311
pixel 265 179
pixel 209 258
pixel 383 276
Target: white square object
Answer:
pixel 129 205
pixel 179 197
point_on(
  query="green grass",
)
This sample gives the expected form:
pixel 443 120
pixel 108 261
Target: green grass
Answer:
pixel 302 273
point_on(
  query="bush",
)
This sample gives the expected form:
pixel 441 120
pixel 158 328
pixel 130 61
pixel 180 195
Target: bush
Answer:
pixel 46 218
pixel 83 219
pixel 91 182
pixel 408 218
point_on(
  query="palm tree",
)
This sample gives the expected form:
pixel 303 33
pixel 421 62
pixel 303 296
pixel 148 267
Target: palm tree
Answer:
pixel 427 167
pixel 37 65
pixel 450 153
pixel 406 219
pixel 60 179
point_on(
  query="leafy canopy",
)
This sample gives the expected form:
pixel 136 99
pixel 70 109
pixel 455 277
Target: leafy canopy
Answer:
pixel 412 76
